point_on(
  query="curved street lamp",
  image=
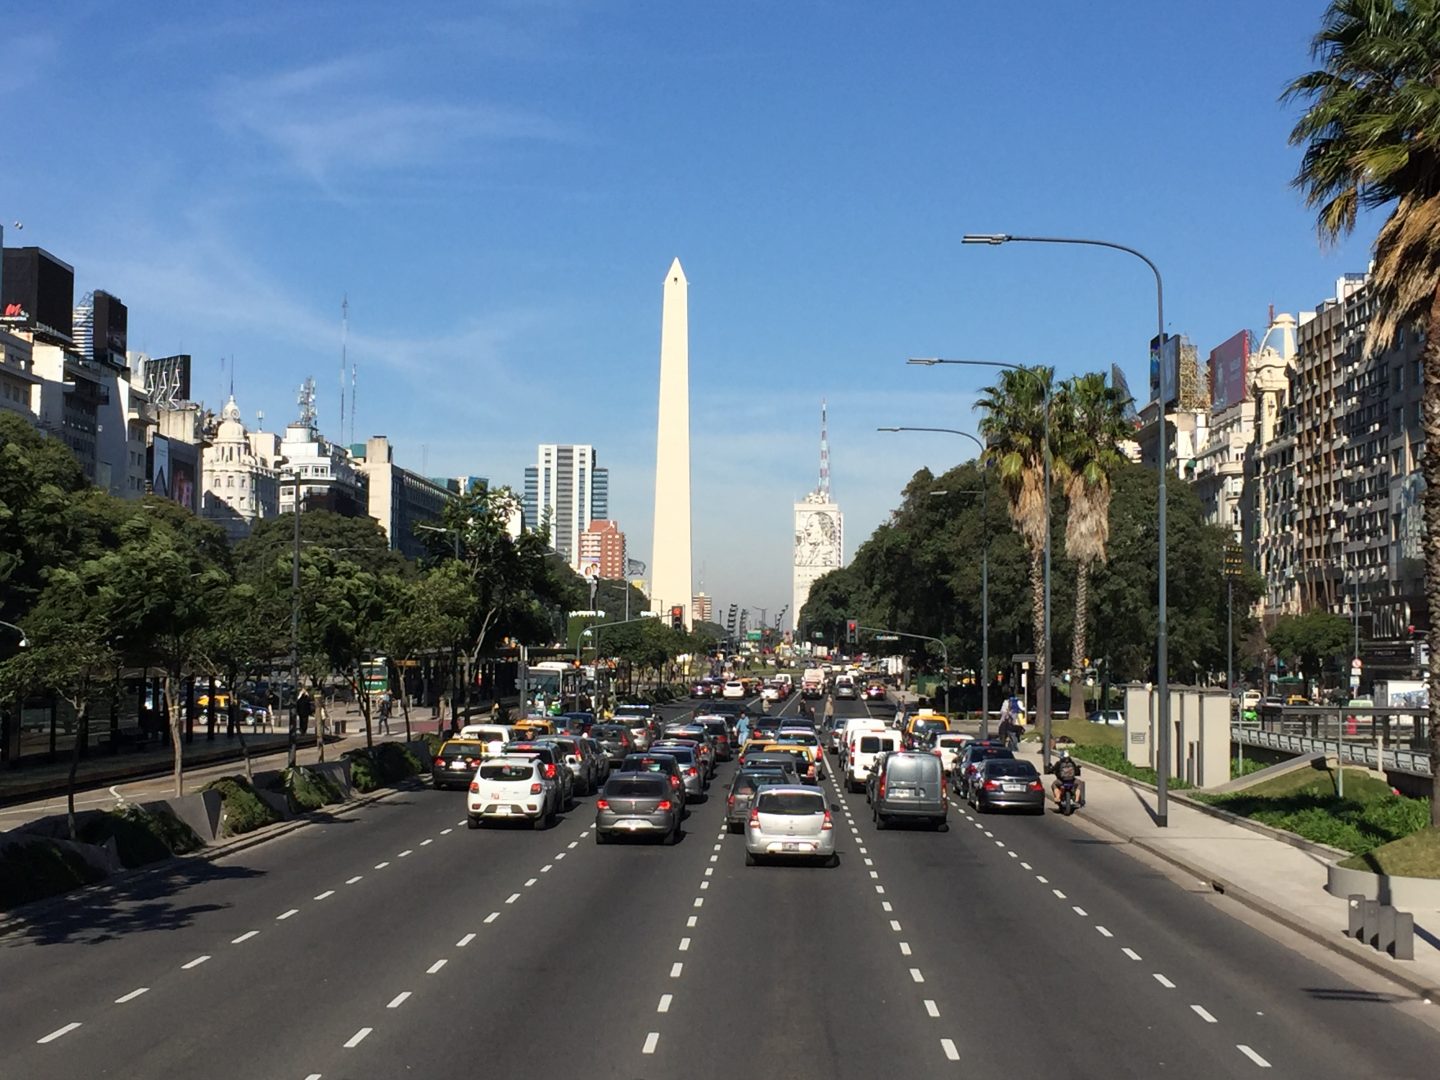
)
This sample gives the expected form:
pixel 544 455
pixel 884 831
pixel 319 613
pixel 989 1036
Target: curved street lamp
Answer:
pixel 984 567
pixel 24 641
pixel 1162 661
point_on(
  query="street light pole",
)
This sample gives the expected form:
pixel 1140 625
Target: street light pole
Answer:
pixel 984 570
pixel 944 652
pixel 1162 647
pixel 24 641
pixel 1043 698
pixel 292 741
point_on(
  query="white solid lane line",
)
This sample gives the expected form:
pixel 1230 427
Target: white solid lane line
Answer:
pixel 58 1032
pixel 492 916
pixel 675 970
pixel 358 1038
pixel 464 941
pixel 244 937
pixel 948 1045
pixel 650 1042
pixel 398 999
pixel 354 879
pixel 916 975
pixel 326 894
pixel 194 963
pixel 1131 953
pixel 1163 981
pixel 286 914
pixel 1252 1055
pixel 664 1006
pixel 131 996
pixel 1204 1014
pixel 931 1008
pixel 436 966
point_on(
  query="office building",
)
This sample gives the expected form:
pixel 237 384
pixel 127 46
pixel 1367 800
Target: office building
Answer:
pixel 327 478
pixel 398 498
pixel 819 531
pixel 241 482
pixel 602 550
pixel 565 490
pixel 701 608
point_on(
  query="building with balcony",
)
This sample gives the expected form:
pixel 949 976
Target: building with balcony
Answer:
pixel 602 546
pixel 398 498
pixel 564 490
pixel 241 481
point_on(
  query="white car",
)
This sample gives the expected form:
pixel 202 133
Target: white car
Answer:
pixel 862 748
pixel 790 821
pixel 770 693
pixel 1113 717
pixel 512 788
pixel 733 689
pixel 948 746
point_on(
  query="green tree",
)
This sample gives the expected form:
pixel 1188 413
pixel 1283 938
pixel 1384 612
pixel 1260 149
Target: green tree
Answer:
pixel 246 636
pixel 1312 639
pixel 1371 133
pixel 1014 431
pixel 432 615
pixel 1090 424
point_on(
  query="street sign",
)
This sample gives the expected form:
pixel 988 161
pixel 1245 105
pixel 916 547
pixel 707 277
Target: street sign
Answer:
pixel 887 637
pixel 1356 665
pixel 1354 681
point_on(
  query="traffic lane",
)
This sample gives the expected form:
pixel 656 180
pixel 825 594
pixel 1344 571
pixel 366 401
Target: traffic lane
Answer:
pixel 570 977
pixel 1311 1016
pixel 800 962
pixel 1011 945
pixel 233 974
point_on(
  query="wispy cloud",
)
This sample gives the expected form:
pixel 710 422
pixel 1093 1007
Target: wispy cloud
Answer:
pixel 338 118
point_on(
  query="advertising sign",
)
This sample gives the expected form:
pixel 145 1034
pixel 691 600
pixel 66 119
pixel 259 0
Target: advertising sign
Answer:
pixel 1229 371
pixel 160 466
pixel 1165 369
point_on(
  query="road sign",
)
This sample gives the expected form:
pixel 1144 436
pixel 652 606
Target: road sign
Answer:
pixel 1356 665
pixel 887 637
pixel 1354 681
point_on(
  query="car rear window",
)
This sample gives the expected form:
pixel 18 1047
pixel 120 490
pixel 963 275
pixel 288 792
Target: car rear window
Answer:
pixel 635 788
pixel 805 738
pixel 648 764
pixel 951 741
pixel 790 802
pixel 873 744
pixel 461 750
pixel 1000 767
pixel 508 771
pixel 608 731
pixel 913 766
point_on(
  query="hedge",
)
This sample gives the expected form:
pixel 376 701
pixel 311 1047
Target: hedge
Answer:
pixel 308 790
pixel 380 766
pixel 141 836
pixel 34 869
pixel 242 810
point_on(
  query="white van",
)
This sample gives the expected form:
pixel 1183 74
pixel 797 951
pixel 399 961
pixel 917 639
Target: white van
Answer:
pixel 862 748
pixel 494 736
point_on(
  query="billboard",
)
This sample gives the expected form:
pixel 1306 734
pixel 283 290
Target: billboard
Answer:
pixel 167 379
pixel 1229 371
pixel 160 466
pixel 1165 369
pixel 185 476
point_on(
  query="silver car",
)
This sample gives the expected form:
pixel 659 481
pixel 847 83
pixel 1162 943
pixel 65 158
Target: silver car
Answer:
pixel 790 821
pixel 637 804
pixel 692 769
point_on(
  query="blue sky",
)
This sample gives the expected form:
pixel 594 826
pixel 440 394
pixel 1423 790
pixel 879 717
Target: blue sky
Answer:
pixel 499 189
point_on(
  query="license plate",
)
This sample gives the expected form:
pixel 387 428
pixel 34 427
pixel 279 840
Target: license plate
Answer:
pixel 632 825
pixel 1014 787
pixel 503 811
pixel 902 794
pixel 457 765
pixel 792 847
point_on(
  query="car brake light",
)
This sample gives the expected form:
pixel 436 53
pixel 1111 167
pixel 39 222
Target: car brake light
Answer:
pixel 1035 785
pixel 664 804
pixel 674 781
pixel 549 771
pixel 754 817
pixel 535 789
pixel 474 787
pixel 602 804
pixel 730 801
pixel 440 762
pixel 692 771
pixel 882 787
pixel 991 785
pixel 828 823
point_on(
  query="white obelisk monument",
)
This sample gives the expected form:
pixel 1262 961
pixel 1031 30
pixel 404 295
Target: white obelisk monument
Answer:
pixel 670 581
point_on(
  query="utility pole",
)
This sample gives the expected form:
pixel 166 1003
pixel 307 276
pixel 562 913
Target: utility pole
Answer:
pixel 295 624
pixel 1234 566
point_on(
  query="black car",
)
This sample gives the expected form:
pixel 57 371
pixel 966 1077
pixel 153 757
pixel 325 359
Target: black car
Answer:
pixel 615 740
pixel 662 764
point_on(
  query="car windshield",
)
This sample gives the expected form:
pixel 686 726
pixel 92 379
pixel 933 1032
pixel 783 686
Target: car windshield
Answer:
pixel 789 802
pixel 510 770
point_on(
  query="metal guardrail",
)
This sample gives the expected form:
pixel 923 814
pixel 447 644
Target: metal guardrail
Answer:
pixel 1354 752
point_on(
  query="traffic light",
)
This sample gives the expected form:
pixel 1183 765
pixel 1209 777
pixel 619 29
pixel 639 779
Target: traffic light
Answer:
pixel 677 618
pixel 852 631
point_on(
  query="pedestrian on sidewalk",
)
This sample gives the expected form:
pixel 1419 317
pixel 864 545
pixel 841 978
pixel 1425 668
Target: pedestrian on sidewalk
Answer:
pixel 1006 731
pixel 386 704
pixel 304 709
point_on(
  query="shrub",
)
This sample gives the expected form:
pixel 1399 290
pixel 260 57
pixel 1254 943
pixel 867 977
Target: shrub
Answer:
pixel 34 869
pixel 1244 767
pixel 432 740
pixel 382 765
pixel 1113 758
pixel 242 810
pixel 140 836
pixel 308 790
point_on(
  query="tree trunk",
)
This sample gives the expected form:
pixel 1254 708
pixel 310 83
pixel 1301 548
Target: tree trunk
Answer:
pixel 1078 650
pixel 82 736
pixel 1430 472
pixel 176 710
pixel 1037 625
pixel 232 680
pixel 404 701
pixel 364 701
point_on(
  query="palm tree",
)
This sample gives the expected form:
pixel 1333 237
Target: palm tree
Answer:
pixel 1371 135
pixel 1014 431
pixel 1089 424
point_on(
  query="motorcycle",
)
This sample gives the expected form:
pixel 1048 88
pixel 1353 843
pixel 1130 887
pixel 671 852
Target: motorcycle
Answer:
pixel 1068 800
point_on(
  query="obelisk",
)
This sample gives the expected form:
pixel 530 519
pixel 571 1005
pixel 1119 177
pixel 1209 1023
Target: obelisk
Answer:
pixel 670 580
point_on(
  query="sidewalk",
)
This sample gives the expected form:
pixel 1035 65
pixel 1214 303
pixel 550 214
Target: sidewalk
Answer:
pixel 1268 875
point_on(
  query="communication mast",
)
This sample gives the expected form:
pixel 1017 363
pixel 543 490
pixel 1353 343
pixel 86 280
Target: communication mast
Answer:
pixel 344 343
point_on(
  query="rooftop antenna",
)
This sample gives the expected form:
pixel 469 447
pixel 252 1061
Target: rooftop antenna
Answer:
pixel 824 488
pixel 352 402
pixel 344 342
pixel 232 376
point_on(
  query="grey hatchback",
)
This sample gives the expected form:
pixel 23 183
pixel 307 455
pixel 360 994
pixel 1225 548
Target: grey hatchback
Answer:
pixel 910 785
pixel 636 804
pixel 742 792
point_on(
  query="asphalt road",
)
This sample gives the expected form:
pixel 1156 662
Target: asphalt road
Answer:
pixel 396 942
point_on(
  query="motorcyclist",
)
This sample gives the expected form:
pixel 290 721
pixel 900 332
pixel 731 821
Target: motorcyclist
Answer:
pixel 1067 770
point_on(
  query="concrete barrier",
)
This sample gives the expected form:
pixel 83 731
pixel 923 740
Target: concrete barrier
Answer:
pixel 1422 894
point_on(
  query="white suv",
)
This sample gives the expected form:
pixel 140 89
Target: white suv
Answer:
pixel 510 788
pixel 733 689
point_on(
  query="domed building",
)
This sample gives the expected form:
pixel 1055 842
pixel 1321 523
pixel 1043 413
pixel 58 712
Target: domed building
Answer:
pixel 241 485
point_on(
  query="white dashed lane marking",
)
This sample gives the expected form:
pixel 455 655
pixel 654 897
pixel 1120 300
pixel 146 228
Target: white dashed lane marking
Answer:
pixel 407 851
pixel 651 1041
pixel 1204 1014
pixel 445 831
pixel 194 963
pixel 286 914
pixel 513 897
pixel 1131 953
pixel 436 966
pixel 684 944
pixel 356 1039
pixel 464 941
pixel 1103 932
pixel 895 925
pixel 431 840
pixel 244 937
pixel 675 970
pixel 398 999
pixel 326 894
pixel 931 1008
pixel 354 879
pixel 948 1045
pixel 692 921
pixel 381 865
pixel 1252 1055
pixel 1078 911
pixel 59 1032
pixel 904 948
pixel 916 975
pixel 531 882
pixel 664 1006
pixel 131 996
pixel 492 916
pixel 1163 981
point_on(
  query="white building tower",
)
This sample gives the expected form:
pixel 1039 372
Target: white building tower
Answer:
pixel 819 530
pixel 672 583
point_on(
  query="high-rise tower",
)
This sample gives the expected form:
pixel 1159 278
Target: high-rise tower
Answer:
pixel 670 570
pixel 819 530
